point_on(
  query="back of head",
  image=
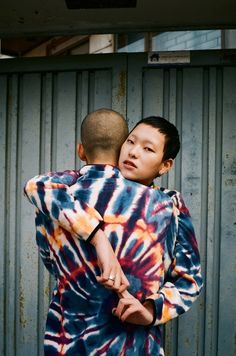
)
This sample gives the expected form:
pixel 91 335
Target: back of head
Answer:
pixel 103 132
pixel 172 141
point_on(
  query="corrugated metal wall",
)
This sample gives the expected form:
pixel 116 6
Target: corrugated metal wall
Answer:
pixel 42 103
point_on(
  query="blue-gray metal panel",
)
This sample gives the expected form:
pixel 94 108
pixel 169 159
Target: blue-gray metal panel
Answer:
pixel 11 217
pixel 134 90
pixel 201 101
pixel 159 96
pixel 153 92
pixel 63 121
pixel 3 146
pixel 40 125
pixel 204 203
pixel 193 99
pixel 189 340
pixel 213 212
pixel 82 105
pixel 173 111
pixel 28 154
pixel 64 63
pixel 119 82
pixel 100 90
pixel 169 86
pixel 44 290
pixel 46 122
pixel 227 289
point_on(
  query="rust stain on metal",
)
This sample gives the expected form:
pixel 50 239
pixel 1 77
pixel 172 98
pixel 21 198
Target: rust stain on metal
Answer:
pixel 187 342
pixel 23 321
pixel 230 182
pixel 46 291
pixel 122 85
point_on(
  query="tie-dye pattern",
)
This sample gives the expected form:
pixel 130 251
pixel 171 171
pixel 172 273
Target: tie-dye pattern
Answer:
pixel 155 245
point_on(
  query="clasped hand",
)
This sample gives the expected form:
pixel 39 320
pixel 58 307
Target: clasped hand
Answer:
pixel 129 308
pixel 112 275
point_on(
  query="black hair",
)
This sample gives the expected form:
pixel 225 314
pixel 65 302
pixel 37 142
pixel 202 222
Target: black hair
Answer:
pixel 172 141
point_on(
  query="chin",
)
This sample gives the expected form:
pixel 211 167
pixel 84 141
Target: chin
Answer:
pixel 128 176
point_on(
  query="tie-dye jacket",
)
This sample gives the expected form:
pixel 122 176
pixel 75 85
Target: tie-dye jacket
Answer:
pixel 154 242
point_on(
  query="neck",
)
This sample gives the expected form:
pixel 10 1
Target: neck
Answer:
pixel 103 159
pixel 97 161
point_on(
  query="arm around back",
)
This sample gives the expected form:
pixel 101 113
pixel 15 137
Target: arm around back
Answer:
pixel 183 280
pixel 52 195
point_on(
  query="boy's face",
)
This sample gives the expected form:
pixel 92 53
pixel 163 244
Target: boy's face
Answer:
pixel 141 155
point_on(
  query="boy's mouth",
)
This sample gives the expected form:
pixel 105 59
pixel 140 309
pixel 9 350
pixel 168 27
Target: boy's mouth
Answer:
pixel 129 164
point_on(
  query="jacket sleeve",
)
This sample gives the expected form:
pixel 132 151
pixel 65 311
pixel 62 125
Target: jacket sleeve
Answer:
pixel 183 280
pixel 53 195
pixel 42 223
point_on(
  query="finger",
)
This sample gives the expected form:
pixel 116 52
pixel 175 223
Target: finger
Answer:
pixel 125 294
pixel 106 272
pixel 124 279
pixel 117 281
pixel 121 283
pixel 122 289
pixel 124 283
pixel 119 309
pixel 109 275
pixel 108 284
pixel 115 277
pixel 100 279
pixel 122 305
pixel 128 312
pixel 105 283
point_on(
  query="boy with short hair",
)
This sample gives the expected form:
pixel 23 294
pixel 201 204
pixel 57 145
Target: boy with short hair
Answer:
pixel 157 251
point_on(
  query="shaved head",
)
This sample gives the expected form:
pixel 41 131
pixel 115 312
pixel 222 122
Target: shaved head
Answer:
pixel 103 132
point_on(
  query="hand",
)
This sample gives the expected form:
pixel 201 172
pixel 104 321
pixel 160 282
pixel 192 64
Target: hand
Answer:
pixel 112 276
pixel 130 309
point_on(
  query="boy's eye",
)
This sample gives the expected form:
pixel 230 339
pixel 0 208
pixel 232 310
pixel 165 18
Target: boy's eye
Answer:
pixel 148 149
pixel 130 141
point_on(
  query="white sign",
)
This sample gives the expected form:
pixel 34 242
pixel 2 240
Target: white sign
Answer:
pixel 170 57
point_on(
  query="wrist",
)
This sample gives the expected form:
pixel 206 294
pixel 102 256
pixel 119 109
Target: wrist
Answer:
pixel 98 237
pixel 92 235
pixel 149 304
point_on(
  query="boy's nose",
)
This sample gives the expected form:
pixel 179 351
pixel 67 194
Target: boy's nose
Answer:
pixel 133 152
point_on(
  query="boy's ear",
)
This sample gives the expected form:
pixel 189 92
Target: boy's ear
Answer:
pixel 166 166
pixel 81 152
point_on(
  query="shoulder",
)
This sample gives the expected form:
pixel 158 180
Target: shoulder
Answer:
pixel 158 200
pixel 151 192
pixel 176 198
pixel 68 177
